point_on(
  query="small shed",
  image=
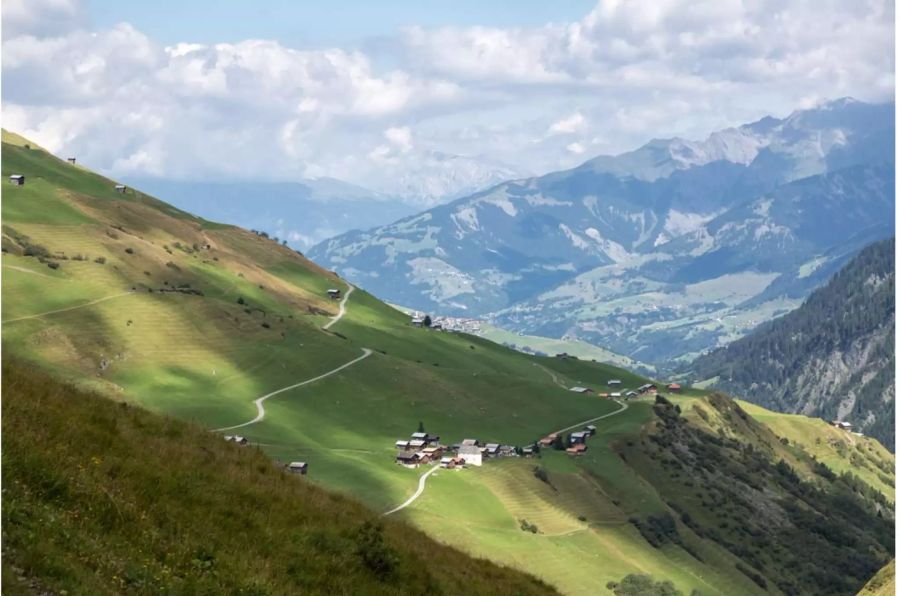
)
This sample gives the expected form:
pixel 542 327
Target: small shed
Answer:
pixel 408 459
pixel 70 160
pixel 492 449
pixel 674 387
pixel 470 442
pixel 615 395
pixel 298 467
pixel 614 382
pixel 578 389
pixel 121 188
pixel 577 449
pixel 591 429
pixel 401 444
pixel 17 179
pixel 528 451
pixel 334 293
pixel 417 321
pixel 578 437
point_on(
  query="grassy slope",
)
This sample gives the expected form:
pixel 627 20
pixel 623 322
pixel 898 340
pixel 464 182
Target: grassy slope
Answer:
pixel 884 583
pixel 100 498
pixel 206 358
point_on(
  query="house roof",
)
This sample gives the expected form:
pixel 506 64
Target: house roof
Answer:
pixel 469 450
pixel 407 456
pixel 297 464
pixel 16 177
pixel 616 394
pixel 419 435
pixel 417 443
pixel 578 389
pixel 674 386
pixel 613 381
pixel 492 446
pixel 591 427
pixel 470 442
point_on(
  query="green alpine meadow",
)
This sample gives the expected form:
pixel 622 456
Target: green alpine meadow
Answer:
pixel 165 377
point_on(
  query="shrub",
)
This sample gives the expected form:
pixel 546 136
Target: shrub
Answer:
pixel 172 265
pixel 240 300
pixel 35 250
pixel 53 265
pixel 541 474
pixel 129 250
pixel 377 556
pixel 528 527
pixel 100 260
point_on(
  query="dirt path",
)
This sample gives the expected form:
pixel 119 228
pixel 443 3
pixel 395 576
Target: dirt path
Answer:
pixel 418 492
pixel 26 270
pixel 59 310
pixel 261 410
pixel 619 411
pixel 342 308
pixel 552 375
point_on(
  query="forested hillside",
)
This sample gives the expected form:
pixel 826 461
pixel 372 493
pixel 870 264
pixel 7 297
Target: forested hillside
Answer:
pixel 833 357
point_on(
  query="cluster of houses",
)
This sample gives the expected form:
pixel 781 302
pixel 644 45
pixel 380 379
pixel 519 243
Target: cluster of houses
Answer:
pixel 647 389
pixel 577 440
pixel 419 319
pixel 423 448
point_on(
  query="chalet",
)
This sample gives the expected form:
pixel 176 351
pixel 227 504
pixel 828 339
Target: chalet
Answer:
pixel 70 160
pixel 674 387
pixel 615 395
pixel 417 444
pixel 17 179
pixel 631 394
pixel 408 459
pixel 334 293
pixel 401 444
pixel 121 188
pixel 422 436
pixel 613 382
pixel 548 440
pixel 842 425
pixel 470 442
pixel 590 429
pixel 417 321
pixel 470 454
pixel 577 389
pixel 507 451
pixel 298 467
pixel 577 449
pixel 237 439
pixel 528 451
pixel 429 439
pixel 433 453
pixel 578 437
pixel 492 449
pixel 603 395
pixel 447 462
pixel 648 388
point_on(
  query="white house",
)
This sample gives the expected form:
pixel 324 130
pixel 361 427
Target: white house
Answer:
pixel 298 467
pixel 471 454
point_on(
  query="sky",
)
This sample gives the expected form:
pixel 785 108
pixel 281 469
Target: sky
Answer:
pixel 417 99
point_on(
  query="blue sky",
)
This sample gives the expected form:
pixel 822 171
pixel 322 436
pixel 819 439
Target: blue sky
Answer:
pixel 305 23
pixel 419 100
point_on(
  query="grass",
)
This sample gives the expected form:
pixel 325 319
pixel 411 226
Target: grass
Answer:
pixel 884 583
pixel 205 358
pixel 102 498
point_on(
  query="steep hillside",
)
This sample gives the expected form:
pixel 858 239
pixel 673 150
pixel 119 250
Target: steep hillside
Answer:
pixel 213 324
pixel 303 214
pixel 103 498
pixel 832 358
pixel 663 252
pixel 883 584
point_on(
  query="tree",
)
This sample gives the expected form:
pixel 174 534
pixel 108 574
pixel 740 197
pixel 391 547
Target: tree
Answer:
pixel 558 443
pixel 421 427
pixel 427 321
pixel 643 585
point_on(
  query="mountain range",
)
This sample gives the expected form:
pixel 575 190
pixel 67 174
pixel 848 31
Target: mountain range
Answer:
pixel 833 357
pixel 659 254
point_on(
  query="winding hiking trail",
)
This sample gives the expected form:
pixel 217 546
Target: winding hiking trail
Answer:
pixel 418 492
pixel 258 402
pixel 59 310
pixel 342 308
pixel 619 411
pixel 261 410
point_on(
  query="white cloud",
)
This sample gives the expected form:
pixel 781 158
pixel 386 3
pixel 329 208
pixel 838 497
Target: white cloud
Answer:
pixel 574 123
pixel 457 106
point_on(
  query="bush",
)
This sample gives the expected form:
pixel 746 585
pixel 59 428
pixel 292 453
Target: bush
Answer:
pixel 172 265
pixel 53 265
pixel 35 250
pixel 100 260
pixel 635 584
pixel 528 527
pixel 240 300
pixel 377 556
pixel 541 474
pixel 129 250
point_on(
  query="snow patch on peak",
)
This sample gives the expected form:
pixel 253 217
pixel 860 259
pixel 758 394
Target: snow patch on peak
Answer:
pixel 500 198
pixel 576 240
